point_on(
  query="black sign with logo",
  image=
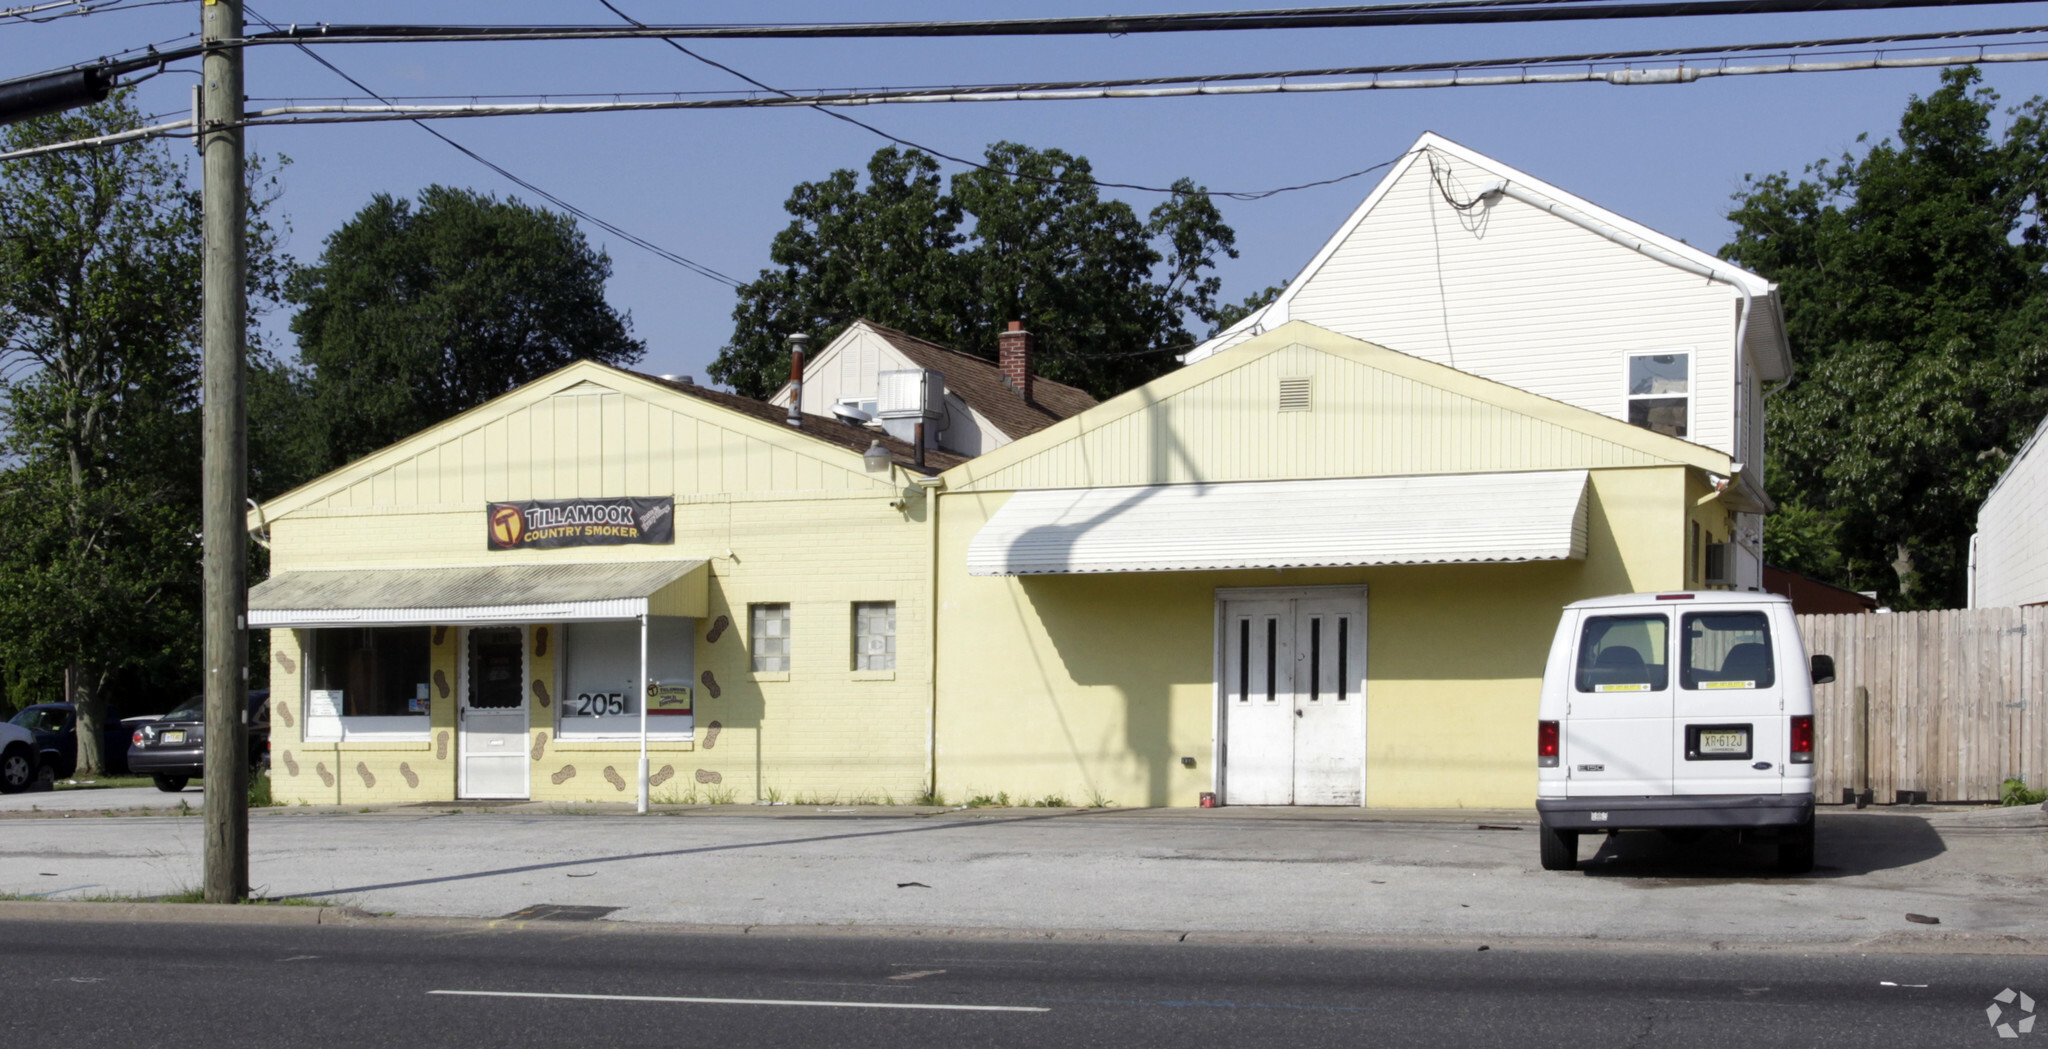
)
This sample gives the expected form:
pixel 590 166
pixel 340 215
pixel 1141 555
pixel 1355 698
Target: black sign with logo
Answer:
pixel 539 523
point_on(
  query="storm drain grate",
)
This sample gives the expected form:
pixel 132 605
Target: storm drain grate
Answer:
pixel 559 912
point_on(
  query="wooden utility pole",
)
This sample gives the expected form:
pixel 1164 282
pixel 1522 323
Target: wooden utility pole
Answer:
pixel 224 315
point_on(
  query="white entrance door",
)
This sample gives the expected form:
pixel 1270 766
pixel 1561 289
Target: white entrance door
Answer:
pixel 492 739
pixel 1293 705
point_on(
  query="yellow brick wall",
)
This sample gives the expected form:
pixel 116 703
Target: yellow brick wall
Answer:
pixel 358 772
pixel 819 731
pixel 1093 687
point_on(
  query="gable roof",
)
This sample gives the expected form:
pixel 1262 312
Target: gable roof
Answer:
pixel 1570 207
pixel 762 421
pixel 1376 412
pixel 818 427
pixel 975 380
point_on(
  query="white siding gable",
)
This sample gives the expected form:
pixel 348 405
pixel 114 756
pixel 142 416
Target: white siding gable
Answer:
pixel 2010 549
pixel 1524 295
pixel 848 368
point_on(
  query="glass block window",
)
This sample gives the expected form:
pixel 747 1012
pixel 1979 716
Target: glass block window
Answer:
pixel 770 637
pixel 1660 391
pixel 874 635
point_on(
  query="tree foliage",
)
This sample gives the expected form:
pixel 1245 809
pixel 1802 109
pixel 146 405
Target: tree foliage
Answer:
pixel 99 327
pixel 413 314
pixel 1107 294
pixel 1915 301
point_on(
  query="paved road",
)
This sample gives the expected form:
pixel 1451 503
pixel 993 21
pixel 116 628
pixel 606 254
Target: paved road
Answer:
pixel 1225 871
pixel 103 984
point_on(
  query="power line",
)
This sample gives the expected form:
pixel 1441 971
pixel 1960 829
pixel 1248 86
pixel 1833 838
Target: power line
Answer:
pixel 818 96
pixel 1443 12
pixel 638 241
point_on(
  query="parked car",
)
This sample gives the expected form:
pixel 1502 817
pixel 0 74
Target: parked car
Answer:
pixel 172 748
pixel 1678 712
pixel 18 758
pixel 56 730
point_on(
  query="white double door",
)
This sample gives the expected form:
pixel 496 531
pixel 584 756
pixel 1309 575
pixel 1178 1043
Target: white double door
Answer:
pixel 1292 696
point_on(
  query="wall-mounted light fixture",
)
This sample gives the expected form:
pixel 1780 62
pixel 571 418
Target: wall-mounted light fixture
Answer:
pixel 876 458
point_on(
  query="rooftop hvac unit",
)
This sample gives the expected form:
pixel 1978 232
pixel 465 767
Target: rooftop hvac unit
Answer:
pixel 1720 564
pixel 915 394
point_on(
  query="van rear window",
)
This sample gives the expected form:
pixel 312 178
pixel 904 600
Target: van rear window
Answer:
pixel 1624 654
pixel 1727 650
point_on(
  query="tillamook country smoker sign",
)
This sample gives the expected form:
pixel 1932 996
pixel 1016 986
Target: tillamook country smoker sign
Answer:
pixel 541 523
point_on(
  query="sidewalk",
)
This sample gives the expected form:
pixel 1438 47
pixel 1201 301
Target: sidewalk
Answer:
pixel 1463 875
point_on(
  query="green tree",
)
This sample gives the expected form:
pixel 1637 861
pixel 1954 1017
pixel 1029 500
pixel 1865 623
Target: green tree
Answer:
pixel 99 322
pixel 413 314
pixel 1108 295
pixel 1915 298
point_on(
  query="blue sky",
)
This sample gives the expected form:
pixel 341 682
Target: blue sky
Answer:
pixel 710 185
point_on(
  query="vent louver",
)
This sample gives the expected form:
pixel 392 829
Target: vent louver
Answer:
pixel 1294 395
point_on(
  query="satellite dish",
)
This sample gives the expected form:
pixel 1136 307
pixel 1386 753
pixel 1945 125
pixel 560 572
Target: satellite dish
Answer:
pixel 847 413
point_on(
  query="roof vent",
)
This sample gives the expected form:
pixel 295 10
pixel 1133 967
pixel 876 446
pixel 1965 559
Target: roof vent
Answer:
pixel 1294 395
pixel 847 413
pixel 686 380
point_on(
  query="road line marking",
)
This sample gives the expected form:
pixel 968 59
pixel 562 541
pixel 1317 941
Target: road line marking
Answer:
pixel 919 973
pixel 750 1001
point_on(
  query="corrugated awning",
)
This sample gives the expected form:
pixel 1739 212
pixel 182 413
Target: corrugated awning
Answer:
pixel 480 594
pixel 1441 519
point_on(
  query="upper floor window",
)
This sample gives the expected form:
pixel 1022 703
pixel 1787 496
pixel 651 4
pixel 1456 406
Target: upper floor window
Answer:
pixel 1660 391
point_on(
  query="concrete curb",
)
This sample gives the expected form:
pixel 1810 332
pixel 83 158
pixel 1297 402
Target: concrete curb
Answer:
pixel 138 911
pixel 1936 943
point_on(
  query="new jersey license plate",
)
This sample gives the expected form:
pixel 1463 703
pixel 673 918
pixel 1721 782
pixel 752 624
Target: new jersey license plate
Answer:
pixel 174 736
pixel 1724 742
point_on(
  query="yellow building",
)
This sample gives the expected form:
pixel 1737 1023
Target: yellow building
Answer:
pixel 477 611
pixel 1303 570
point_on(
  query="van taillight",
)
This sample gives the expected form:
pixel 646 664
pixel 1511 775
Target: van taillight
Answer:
pixel 1546 744
pixel 1802 739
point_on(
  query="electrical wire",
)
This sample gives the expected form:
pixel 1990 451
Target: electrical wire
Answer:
pixel 638 241
pixel 817 95
pixel 1445 12
pixel 32 15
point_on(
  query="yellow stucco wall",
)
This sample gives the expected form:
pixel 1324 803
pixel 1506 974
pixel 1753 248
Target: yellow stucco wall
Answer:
pixel 1094 687
pixel 782 518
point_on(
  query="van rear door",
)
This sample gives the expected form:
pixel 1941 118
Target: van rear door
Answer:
pixel 1618 728
pixel 1729 732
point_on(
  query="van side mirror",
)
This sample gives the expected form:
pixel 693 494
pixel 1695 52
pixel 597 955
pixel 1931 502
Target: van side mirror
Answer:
pixel 1823 669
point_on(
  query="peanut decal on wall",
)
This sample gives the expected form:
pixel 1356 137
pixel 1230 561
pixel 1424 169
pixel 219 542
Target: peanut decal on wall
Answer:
pixel 661 777
pixel 710 684
pixel 708 776
pixel 441 745
pixel 711 735
pixel 540 744
pixel 540 692
pixel 284 713
pixel 540 642
pixel 412 779
pixel 717 630
pixel 567 773
pixel 291 764
pixel 441 682
pixel 284 662
pixel 440 635
pixel 363 770
pixel 326 777
pixel 611 776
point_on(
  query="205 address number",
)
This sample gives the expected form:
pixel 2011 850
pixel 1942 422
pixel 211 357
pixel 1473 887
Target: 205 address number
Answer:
pixel 597 704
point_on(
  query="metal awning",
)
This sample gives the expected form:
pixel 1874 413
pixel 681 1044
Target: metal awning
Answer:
pixel 523 593
pixel 1439 519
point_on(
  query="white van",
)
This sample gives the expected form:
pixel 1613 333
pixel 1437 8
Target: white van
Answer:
pixel 1678 712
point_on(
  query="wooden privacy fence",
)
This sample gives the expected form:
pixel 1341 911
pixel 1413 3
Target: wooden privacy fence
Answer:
pixel 1947 703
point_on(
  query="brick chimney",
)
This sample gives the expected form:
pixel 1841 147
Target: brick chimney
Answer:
pixel 1013 355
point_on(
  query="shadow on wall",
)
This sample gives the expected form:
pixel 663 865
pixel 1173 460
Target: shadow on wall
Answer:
pixel 727 697
pixel 1847 845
